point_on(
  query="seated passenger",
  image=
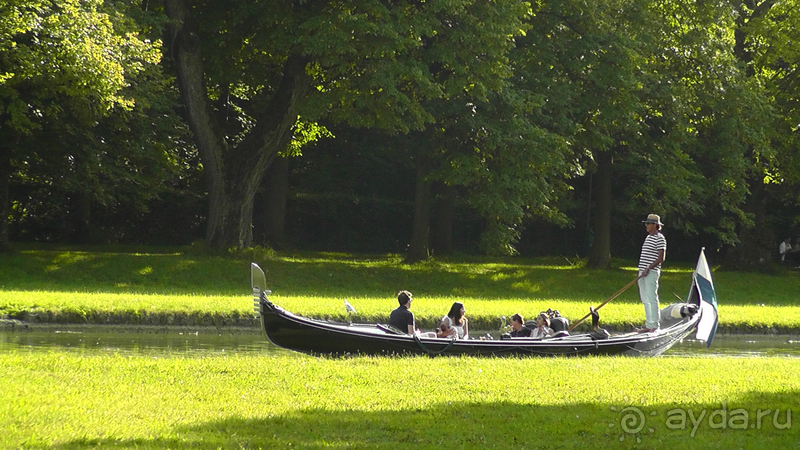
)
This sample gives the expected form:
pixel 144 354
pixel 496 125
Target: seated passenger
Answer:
pixel 403 319
pixel 542 329
pixel 446 331
pixel 517 327
pixel 456 319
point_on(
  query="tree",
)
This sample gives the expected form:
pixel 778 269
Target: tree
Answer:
pixel 765 45
pixel 642 82
pixel 352 193
pixel 497 160
pixel 247 72
pixel 59 61
pixel 585 61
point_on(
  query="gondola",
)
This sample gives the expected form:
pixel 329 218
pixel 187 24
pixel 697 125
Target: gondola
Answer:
pixel 323 337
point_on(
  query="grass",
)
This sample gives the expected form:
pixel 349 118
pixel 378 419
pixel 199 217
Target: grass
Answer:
pixel 72 401
pixel 162 286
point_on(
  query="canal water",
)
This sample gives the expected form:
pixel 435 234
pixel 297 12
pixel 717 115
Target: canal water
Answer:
pixel 198 342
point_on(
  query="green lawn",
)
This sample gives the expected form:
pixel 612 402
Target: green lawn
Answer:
pixel 172 286
pixel 72 401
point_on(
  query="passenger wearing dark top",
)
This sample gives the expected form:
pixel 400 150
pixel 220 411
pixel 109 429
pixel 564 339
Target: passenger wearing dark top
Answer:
pixel 401 318
pixel 517 327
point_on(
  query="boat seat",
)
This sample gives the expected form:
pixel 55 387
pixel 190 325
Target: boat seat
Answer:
pixel 559 324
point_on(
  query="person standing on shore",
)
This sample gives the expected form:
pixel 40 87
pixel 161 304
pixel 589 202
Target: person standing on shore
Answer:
pixel 785 248
pixel 654 251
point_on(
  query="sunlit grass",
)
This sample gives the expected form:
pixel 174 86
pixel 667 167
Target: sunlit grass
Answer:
pixel 90 286
pixel 69 400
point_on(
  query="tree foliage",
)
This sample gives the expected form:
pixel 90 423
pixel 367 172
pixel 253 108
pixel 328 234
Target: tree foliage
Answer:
pixel 654 97
pixel 248 71
pixel 81 96
pixel 687 109
pixel 68 49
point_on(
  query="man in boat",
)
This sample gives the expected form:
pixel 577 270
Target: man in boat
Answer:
pixel 654 250
pixel 403 319
pixel 518 329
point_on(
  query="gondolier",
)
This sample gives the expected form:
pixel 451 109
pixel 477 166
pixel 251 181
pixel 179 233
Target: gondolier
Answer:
pixel 654 251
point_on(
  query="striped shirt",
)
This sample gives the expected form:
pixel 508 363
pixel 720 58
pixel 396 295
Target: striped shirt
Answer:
pixel 652 244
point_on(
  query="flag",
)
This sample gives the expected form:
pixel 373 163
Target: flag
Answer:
pixel 349 307
pixel 703 286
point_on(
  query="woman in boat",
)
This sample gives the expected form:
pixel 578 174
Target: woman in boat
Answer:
pixel 455 319
pixel 542 329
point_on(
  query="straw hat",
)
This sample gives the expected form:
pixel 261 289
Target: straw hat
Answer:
pixel 653 218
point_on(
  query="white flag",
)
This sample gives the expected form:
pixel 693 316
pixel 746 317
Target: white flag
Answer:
pixel 708 301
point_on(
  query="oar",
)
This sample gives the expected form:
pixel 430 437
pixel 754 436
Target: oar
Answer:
pixel 604 303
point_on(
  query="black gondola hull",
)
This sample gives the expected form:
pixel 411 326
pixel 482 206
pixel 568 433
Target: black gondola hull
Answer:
pixel 319 337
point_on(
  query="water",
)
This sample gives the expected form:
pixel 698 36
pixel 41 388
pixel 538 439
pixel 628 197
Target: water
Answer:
pixel 197 342
pixel 742 345
pixel 201 342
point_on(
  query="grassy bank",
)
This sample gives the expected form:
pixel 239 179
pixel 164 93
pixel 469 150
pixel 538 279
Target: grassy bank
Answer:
pixel 69 400
pixel 172 287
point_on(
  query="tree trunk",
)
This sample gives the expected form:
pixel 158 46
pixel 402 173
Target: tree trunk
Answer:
pixel 418 248
pixel 600 252
pixel 5 202
pixel 443 218
pixel 232 174
pixel 273 213
pixel 82 222
pixel 756 242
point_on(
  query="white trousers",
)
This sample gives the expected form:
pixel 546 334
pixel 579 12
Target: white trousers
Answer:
pixel 648 294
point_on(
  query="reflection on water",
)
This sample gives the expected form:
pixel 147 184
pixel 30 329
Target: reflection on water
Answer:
pixel 201 342
pixel 162 342
pixel 745 345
